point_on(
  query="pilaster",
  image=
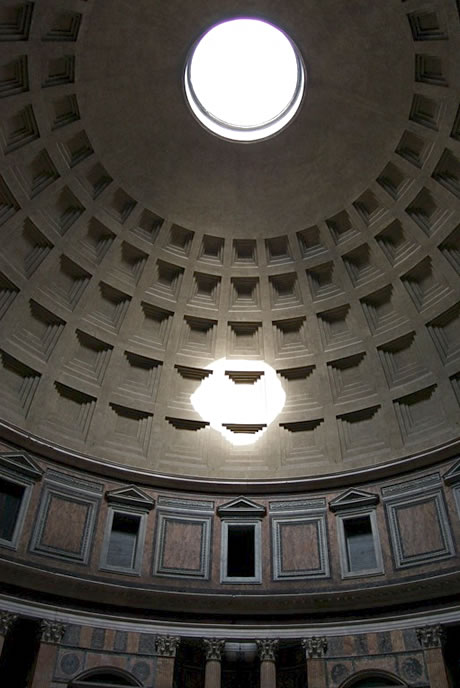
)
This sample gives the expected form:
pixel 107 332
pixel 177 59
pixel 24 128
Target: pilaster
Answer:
pixel 266 648
pixel 166 648
pixel 431 638
pixel 213 648
pixel 7 619
pixel 315 650
pixel 51 634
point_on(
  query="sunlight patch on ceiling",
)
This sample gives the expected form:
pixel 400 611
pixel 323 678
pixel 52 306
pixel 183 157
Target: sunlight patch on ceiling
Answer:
pixel 240 399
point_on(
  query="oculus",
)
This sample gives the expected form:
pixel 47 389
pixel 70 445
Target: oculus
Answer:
pixel 244 79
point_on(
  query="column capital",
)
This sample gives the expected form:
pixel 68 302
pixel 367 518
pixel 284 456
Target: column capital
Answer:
pixel 315 647
pixel 213 648
pixel 7 619
pixel 266 648
pixel 51 631
pixel 430 636
pixel 166 645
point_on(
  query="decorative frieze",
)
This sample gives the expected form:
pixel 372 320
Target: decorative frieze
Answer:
pixel 185 504
pixel 430 636
pixel 266 648
pixel 315 647
pixel 51 631
pixel 166 645
pixel 75 482
pixel 7 619
pixel 313 504
pixel 420 484
pixel 213 648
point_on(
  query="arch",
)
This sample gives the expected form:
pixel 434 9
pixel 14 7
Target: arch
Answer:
pixel 102 676
pixel 388 679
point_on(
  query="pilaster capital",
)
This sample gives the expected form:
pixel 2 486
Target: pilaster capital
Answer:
pixel 213 648
pixel 430 636
pixel 7 619
pixel 51 631
pixel 166 645
pixel 266 648
pixel 315 647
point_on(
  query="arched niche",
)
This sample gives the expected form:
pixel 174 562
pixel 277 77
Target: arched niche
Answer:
pixel 104 677
pixel 373 679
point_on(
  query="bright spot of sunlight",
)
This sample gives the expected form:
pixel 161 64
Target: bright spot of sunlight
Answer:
pixel 220 400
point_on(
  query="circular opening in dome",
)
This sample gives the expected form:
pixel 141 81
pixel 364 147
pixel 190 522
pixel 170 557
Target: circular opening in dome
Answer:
pixel 244 80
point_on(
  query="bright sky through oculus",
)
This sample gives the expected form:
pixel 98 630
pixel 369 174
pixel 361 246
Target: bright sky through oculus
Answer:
pixel 220 400
pixel 244 79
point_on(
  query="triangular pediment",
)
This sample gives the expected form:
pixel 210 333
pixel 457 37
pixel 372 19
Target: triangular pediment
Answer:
pixel 20 462
pixel 453 474
pixel 130 496
pixel 241 506
pixel 353 499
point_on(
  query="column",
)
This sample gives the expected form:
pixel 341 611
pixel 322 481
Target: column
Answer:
pixel 315 649
pixel 166 647
pixel 51 634
pixel 7 619
pixel 267 649
pixel 213 648
pixel 431 638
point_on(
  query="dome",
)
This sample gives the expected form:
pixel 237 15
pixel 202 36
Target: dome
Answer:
pixel 216 350
pixel 139 248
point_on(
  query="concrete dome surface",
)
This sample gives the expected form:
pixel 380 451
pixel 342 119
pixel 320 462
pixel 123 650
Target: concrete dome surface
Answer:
pixel 229 371
pixel 138 248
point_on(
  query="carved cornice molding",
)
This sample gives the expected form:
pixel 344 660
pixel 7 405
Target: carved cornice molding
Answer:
pixel 430 636
pixel 213 648
pixel 7 619
pixel 166 645
pixel 376 597
pixel 378 622
pixel 315 647
pixel 51 631
pixel 266 648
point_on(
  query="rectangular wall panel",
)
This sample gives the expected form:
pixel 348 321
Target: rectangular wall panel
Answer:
pixel 182 545
pixel 299 546
pixel 64 502
pixel 56 533
pixel 419 529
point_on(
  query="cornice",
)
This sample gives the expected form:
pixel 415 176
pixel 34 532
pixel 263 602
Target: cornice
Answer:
pixel 229 631
pixel 127 474
pixel 181 601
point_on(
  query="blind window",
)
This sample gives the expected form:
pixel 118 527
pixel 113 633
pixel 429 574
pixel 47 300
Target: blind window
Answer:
pixel 123 541
pixel 11 496
pixel 241 551
pixel 360 544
